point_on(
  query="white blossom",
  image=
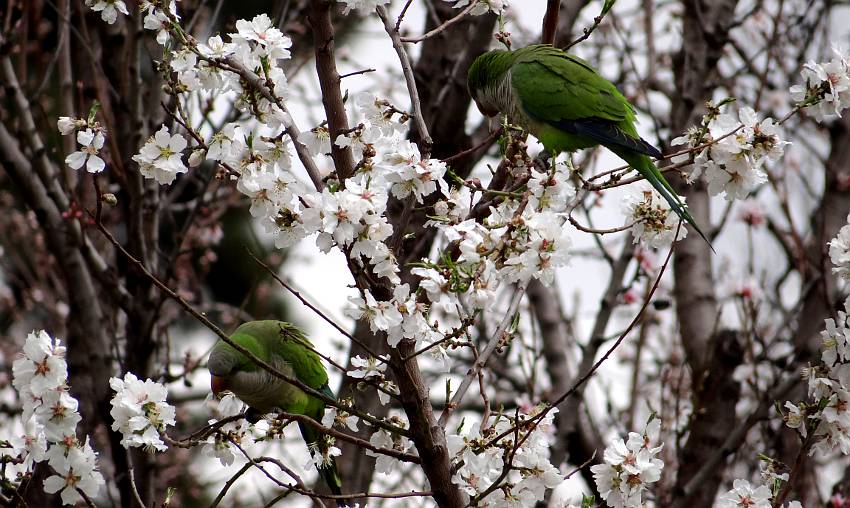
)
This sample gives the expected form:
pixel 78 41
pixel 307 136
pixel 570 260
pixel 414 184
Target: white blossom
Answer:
pixel 386 464
pixel 339 418
pixel 90 144
pixel 481 6
pixel 160 157
pixel 43 367
pixel 140 412
pixel 74 469
pixel 361 5
pixel 743 494
pixel 108 9
pixel 219 444
pixel 364 368
pixel 839 252
pixel 733 164
pixel 629 468
pixel 826 88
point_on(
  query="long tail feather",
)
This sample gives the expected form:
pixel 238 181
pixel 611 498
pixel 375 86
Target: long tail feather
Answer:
pixel 647 169
pixel 328 472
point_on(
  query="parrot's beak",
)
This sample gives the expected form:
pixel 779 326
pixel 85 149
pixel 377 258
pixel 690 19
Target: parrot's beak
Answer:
pixel 486 111
pixel 218 384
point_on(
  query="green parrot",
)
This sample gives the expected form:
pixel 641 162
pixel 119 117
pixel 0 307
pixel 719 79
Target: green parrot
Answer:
pixel 283 346
pixel 567 105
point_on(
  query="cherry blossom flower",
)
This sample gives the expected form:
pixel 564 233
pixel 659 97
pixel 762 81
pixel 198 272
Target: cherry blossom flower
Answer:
pixel 364 368
pixel 140 412
pixel 482 6
pixel 745 495
pixel 654 226
pixel 43 367
pixel 160 157
pixel 75 469
pixel 90 144
pixel 629 468
pixel 108 9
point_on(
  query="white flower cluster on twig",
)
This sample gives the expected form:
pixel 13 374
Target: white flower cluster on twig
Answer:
pixel 746 495
pixel 91 136
pixel 654 226
pixel 826 91
pixel 630 467
pixel 140 412
pixel 733 162
pixel 50 419
pixel 511 471
pixel 825 418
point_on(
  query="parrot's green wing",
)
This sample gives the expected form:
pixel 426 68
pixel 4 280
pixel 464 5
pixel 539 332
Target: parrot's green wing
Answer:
pixel 299 352
pixel 566 93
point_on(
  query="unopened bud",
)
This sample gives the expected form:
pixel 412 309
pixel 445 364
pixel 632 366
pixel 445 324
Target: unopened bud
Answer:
pixel 109 198
pixel 197 157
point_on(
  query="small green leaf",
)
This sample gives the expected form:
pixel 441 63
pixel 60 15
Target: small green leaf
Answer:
pixel 607 6
pixel 93 111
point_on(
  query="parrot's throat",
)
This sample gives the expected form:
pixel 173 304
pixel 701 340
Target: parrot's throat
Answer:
pixel 264 391
pixel 502 97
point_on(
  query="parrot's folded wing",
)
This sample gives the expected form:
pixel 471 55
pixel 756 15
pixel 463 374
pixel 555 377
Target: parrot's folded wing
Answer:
pixel 606 132
pixel 299 353
pixel 552 85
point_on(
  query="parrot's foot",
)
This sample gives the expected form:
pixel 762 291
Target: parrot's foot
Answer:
pixel 252 415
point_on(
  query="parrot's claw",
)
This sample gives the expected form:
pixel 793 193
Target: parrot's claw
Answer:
pixel 252 415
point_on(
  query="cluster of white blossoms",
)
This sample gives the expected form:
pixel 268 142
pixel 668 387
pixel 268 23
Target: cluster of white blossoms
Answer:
pixel 140 412
pixel 161 156
pixel 158 19
pixel 381 438
pixel 519 460
pixel 481 6
pixel 826 91
pixel 219 445
pixel 653 224
pixel 91 136
pixel 371 369
pixel 630 467
pixel 738 149
pixel 746 495
pixel 839 252
pixel 827 412
pixel 108 9
pixel 50 420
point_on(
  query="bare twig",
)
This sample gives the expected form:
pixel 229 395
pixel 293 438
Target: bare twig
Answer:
pixel 481 361
pixel 407 69
pixel 462 14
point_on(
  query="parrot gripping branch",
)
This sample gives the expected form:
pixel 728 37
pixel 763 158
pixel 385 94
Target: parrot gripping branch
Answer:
pixel 248 354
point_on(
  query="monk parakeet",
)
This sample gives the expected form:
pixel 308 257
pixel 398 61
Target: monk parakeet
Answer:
pixel 283 346
pixel 567 105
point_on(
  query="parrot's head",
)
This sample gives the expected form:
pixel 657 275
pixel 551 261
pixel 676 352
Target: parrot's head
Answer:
pixel 229 368
pixel 222 366
pixel 485 76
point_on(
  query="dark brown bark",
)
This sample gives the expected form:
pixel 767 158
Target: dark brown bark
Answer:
pixel 712 419
pixel 324 41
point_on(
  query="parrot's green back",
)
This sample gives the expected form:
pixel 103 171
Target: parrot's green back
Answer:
pixel 567 105
pixel 285 347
